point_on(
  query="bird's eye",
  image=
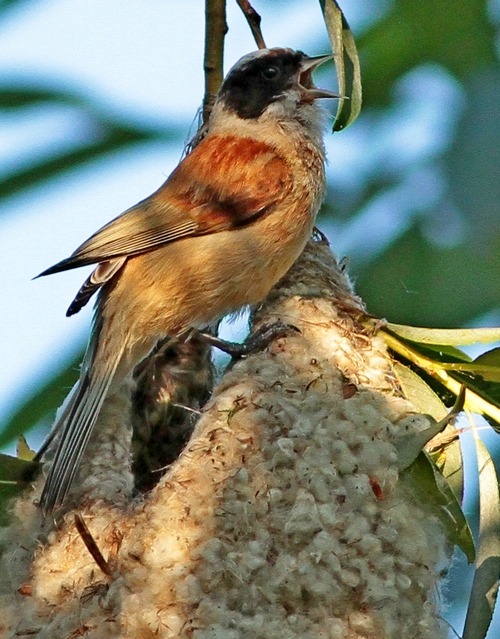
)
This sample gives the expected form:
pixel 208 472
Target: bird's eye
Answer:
pixel 270 72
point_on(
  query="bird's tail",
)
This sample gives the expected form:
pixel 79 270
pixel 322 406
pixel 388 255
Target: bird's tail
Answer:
pixel 76 424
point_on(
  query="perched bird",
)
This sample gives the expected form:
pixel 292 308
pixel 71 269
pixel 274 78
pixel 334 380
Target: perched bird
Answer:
pixel 217 235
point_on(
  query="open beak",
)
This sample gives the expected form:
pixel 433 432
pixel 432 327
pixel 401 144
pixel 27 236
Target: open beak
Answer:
pixel 306 85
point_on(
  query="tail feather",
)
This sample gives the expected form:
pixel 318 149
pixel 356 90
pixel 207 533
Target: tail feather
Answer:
pixel 77 423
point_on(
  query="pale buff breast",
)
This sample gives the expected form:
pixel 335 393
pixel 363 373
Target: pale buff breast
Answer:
pixel 193 281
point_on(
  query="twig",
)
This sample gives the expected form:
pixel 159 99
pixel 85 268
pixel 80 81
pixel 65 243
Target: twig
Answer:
pixel 254 20
pixel 215 30
pixel 92 547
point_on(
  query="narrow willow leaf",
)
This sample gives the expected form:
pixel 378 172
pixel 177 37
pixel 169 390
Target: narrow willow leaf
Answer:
pixel 461 534
pixel 43 402
pixel 16 471
pixel 446 336
pixel 115 138
pixel 484 395
pixel 15 475
pixel 107 134
pixel 346 62
pixel 446 455
pixel 435 352
pixel 419 393
pixel 487 373
pixel 490 358
pixel 429 487
pixel 453 370
pixel 410 445
pixel 485 584
pixel 7 4
pixel 442 352
pixel 451 465
pixel 17 97
pixel 23 450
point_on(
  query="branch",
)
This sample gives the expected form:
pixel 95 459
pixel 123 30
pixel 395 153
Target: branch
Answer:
pixel 215 31
pixel 254 20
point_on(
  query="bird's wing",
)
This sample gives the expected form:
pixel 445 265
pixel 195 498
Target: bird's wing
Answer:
pixel 77 421
pixel 102 273
pixel 224 183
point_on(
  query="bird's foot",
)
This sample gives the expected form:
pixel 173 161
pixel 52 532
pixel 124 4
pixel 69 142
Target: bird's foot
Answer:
pixel 255 342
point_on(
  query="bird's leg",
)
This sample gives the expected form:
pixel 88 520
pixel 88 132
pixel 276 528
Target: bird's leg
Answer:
pixel 255 342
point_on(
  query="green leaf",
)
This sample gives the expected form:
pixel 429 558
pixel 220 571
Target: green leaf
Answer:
pixel 409 445
pixel 18 95
pixel 483 397
pixel 485 584
pixel 42 403
pixel 107 134
pixel 451 465
pixel 486 366
pixel 454 370
pixel 446 336
pixel 428 486
pixel 486 373
pixel 419 393
pixel 15 475
pixel 115 138
pixel 7 4
pixel 461 534
pixel 490 358
pixel 447 455
pixel 23 450
pixel 346 63
pixel 16 471
pixel 440 353
pixel 488 392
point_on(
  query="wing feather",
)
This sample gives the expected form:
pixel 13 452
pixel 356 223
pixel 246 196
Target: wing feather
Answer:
pixel 224 183
pixel 76 426
pixel 99 276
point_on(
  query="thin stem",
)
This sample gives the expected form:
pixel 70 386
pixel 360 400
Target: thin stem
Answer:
pixel 215 31
pixel 254 20
pixel 473 401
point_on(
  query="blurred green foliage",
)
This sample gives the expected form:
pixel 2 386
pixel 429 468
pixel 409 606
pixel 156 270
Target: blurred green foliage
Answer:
pixel 416 278
pixel 457 35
